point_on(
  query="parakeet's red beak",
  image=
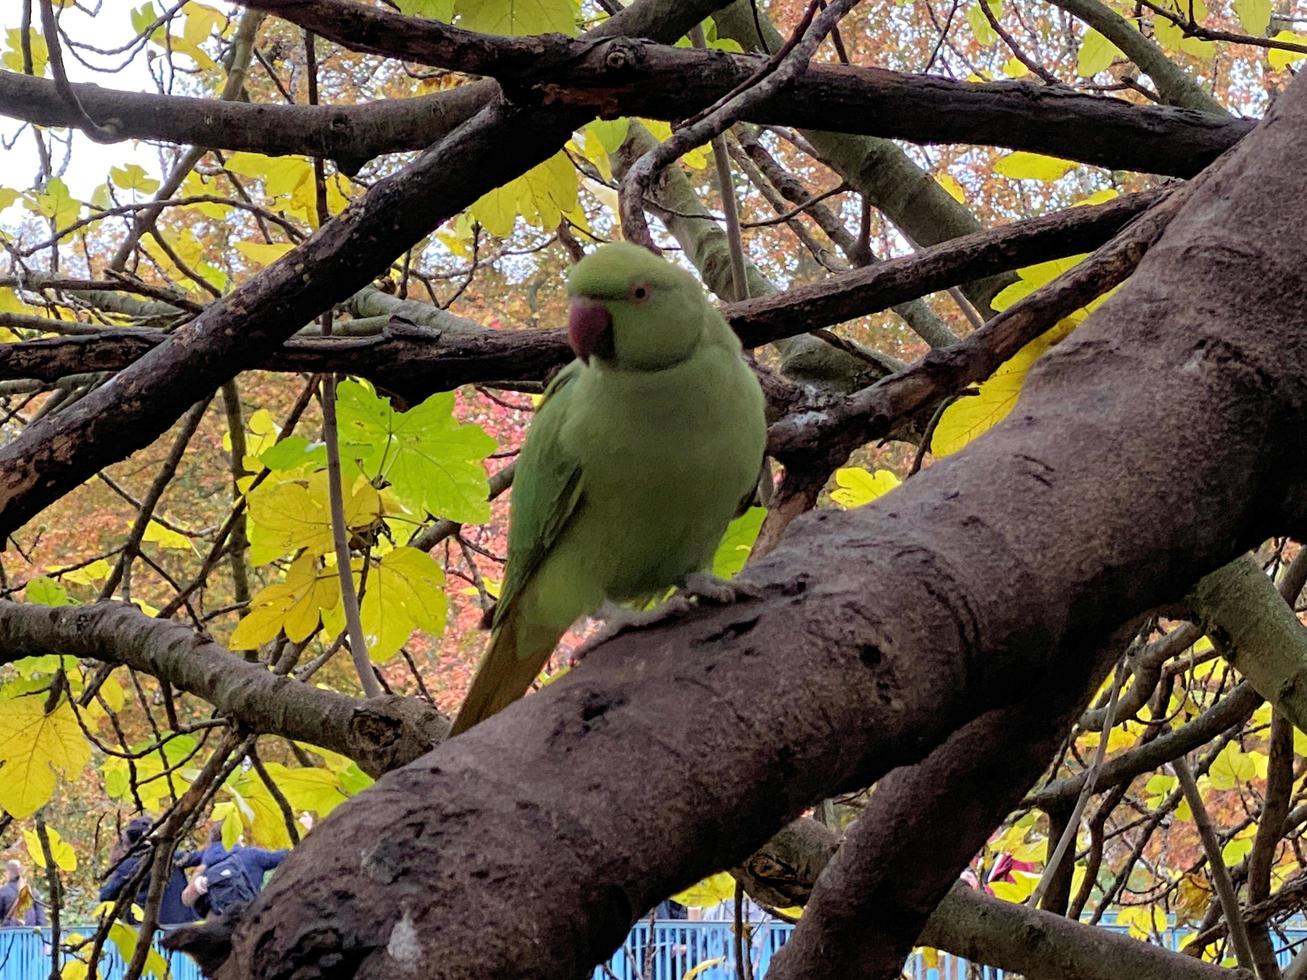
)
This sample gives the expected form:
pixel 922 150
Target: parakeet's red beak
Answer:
pixel 590 329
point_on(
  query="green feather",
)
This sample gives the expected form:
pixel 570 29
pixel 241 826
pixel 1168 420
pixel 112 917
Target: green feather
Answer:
pixel 632 468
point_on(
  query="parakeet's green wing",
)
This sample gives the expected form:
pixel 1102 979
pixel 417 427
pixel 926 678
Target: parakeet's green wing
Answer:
pixel 546 491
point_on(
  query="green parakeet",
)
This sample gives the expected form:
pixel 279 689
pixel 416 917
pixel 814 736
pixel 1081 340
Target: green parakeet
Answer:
pixel 642 451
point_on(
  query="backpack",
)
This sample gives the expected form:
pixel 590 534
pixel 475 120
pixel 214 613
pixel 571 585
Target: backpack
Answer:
pixel 229 885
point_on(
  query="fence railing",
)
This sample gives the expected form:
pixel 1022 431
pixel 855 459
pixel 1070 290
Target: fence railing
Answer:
pixel 673 949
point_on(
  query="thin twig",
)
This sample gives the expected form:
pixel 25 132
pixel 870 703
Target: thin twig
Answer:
pixel 1225 892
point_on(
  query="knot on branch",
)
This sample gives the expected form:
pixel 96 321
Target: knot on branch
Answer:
pixel 392 731
pixel 622 54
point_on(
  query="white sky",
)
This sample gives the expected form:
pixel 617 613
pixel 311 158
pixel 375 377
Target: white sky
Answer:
pixel 89 162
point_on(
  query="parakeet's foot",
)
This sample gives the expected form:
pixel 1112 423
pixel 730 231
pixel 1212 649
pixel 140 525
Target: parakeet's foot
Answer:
pixel 709 588
pixel 697 587
pixel 618 620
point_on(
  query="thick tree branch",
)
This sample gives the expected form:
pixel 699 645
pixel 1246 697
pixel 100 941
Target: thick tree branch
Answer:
pixel 970 924
pixel 898 860
pixel 628 77
pixel 414 362
pixel 379 734
pixel 1001 554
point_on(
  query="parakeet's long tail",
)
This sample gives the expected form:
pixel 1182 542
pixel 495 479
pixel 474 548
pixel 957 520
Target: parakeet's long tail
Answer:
pixel 516 655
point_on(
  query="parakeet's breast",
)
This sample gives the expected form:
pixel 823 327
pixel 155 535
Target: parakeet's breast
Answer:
pixel 667 457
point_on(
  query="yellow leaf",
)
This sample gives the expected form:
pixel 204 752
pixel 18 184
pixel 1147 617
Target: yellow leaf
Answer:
pixel 1098 197
pixel 1033 166
pixel 64 856
pixel 541 196
pixel 1281 59
pixel 1016 890
pixel 294 606
pixel 952 187
pixel 516 17
pixel 1239 846
pixel 166 537
pixel 405 591
pixel 13 56
pixel 701 968
pixel 858 487
pixel 264 253
pixel 197 184
pixel 1142 920
pixel 266 823
pixel 34 747
pixel 1014 67
pixel 1254 15
pixel 1096 54
pixel 202 21
pixel 972 415
pixel 1171 36
pixel 124 937
pixel 317 790
pixel 696 158
pixel 133 178
pixel 929 958
pixel 711 891
pixel 293 514
pixel 1231 767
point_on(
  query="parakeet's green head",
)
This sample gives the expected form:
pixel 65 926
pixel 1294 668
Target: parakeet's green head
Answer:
pixel 632 310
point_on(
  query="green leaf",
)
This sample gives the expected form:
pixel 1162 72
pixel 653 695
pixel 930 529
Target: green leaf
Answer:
pixel 1254 15
pixel 442 10
pixel 611 133
pixel 432 461
pixel 133 178
pixel 294 452
pixel 737 543
pixel 979 23
pixel 1096 54
pixel 55 203
pixel 514 17
pixel 47 592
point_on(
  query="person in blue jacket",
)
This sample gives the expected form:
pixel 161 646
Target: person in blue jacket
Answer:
pixel 124 863
pixel 243 871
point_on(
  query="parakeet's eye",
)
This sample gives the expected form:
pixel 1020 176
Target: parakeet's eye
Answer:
pixel 639 293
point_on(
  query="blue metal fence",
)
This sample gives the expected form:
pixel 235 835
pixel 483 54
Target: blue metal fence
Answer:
pixel 676 948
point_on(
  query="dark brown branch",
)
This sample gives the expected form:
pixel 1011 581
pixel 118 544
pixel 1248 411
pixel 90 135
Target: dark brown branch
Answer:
pixel 899 859
pixel 379 734
pixel 413 362
pixel 823 440
pixel 644 79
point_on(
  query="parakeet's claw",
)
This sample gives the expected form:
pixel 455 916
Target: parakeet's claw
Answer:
pixel 697 588
pixel 707 587
pixel 618 620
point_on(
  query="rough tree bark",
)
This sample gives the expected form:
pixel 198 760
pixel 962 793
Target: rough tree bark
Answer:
pixel 529 845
